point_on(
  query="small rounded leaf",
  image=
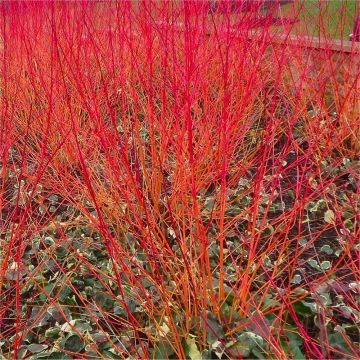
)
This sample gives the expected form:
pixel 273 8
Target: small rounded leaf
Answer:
pixel 326 249
pixel 325 265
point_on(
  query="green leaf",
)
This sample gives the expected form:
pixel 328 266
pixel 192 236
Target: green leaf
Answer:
pixel 72 343
pixel 49 241
pixel 245 344
pixel 228 313
pixel 120 311
pixel 301 309
pixel 60 356
pixel 206 354
pixel 302 242
pixel 99 338
pixel 337 340
pixel 348 223
pixel 57 314
pixel 338 252
pixel 61 252
pixel 104 301
pixel 296 351
pixel 162 350
pixel 64 293
pixel 325 265
pixel 48 289
pixel 240 347
pixel 52 333
pixel 230 295
pixel 36 348
pixel 313 263
pixel 21 354
pixel 312 306
pixel 214 251
pixel 41 321
pixel 15 272
pixel 325 299
pixel 295 342
pixel 259 354
pixel 296 279
pixel 109 355
pixel 214 330
pixel 82 326
pixel 42 209
pixel 329 216
pixel 191 349
pixel 326 249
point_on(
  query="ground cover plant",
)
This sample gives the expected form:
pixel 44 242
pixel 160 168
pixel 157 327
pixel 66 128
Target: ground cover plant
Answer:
pixel 171 188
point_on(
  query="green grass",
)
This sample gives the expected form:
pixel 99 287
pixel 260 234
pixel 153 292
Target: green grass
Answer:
pixel 332 18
